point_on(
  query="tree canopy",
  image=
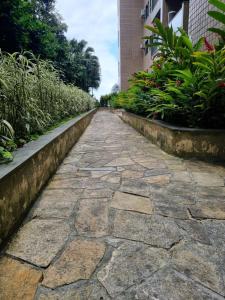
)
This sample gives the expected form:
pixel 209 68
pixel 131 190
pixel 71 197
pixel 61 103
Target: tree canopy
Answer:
pixel 34 25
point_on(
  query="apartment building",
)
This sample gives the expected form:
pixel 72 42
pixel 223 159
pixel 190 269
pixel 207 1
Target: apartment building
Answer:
pixel 134 55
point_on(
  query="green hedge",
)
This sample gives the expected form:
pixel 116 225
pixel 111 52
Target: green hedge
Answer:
pixel 32 97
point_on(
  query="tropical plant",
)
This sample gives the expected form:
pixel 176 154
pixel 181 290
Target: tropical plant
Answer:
pixel 212 86
pixel 81 67
pixel 172 46
pixel 195 96
pixel 219 16
pixel 185 86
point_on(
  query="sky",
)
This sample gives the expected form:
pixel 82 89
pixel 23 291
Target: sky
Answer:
pixel 96 22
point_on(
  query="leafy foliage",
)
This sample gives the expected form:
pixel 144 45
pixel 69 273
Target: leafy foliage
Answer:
pixel 35 26
pixel 32 96
pixel 175 47
pixel 107 100
pixel 80 66
pixel 186 86
pixel 6 142
pixel 220 17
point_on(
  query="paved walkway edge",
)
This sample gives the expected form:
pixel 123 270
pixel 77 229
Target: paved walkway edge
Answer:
pixel 34 164
pixel 204 144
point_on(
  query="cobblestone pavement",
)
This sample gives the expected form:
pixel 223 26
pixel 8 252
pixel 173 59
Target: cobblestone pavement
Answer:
pixel 121 219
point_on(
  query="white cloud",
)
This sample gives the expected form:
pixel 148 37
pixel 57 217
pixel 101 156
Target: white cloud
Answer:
pixel 96 22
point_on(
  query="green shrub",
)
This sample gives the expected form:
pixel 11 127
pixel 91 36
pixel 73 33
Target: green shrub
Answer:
pixel 185 86
pixel 32 97
pixel 7 144
pixel 108 100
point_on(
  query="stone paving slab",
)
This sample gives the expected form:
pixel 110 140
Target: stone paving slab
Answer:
pixel 92 217
pixel 168 284
pixel 17 280
pixel 202 263
pixel 39 240
pixel 130 264
pixel 211 208
pixel 130 202
pixel 78 261
pixel 56 204
pixel 154 230
pixel 122 220
pixel 92 291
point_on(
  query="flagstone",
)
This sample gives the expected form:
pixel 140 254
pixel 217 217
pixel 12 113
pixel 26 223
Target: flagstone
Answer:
pixel 57 205
pixel 39 240
pixel 121 162
pixel 206 179
pixel 121 220
pixel 201 263
pixel 194 230
pixel 17 280
pixel 132 202
pixel 153 230
pixel 92 217
pixel 92 291
pixel 160 179
pixel 131 263
pixel 156 172
pixel 172 211
pixel 99 193
pixel 136 187
pixel 112 178
pixel 78 261
pixel 132 174
pixel 168 284
pixel 209 209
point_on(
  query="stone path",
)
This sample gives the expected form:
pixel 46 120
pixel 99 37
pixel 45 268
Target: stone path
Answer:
pixel 121 220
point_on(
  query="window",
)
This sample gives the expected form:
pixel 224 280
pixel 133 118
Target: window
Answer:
pixel 153 4
pixel 146 47
pixel 147 10
pixel 154 49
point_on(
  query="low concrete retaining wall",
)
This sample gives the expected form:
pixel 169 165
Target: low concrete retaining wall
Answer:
pixel 33 165
pixel 204 144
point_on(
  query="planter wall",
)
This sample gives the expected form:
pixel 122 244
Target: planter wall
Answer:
pixel 33 165
pixel 202 144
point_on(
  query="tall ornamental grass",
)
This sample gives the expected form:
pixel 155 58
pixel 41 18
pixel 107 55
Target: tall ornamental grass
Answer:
pixel 32 97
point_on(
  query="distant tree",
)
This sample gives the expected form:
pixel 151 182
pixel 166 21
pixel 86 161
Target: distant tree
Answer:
pixel 115 88
pixel 104 101
pixel 13 15
pixel 107 100
pixel 82 66
pixel 30 25
pixel 34 25
pixel 93 71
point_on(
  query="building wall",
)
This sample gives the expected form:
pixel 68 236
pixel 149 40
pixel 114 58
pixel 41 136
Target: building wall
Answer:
pixel 200 21
pixel 130 39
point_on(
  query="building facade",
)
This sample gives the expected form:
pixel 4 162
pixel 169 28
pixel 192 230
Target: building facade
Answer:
pixel 134 55
pixel 130 36
pixel 199 21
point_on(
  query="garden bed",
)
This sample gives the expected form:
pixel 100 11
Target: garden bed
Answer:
pixel 204 144
pixel 33 165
